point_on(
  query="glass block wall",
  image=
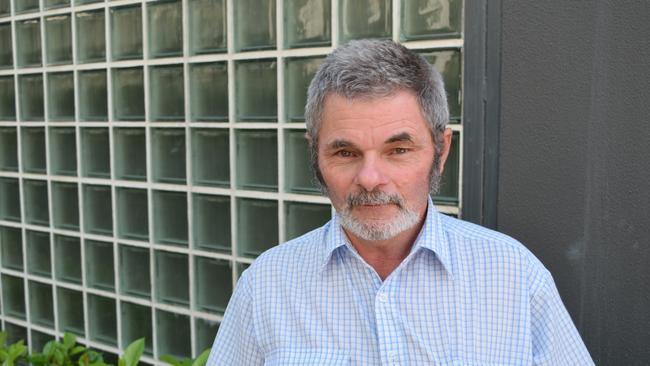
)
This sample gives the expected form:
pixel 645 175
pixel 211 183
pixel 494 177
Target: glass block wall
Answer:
pixel 150 150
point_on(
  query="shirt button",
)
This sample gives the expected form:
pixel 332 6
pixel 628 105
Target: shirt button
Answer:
pixel 382 297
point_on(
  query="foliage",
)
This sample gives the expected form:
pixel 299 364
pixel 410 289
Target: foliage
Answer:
pixel 67 352
pixel 199 361
pixel 132 353
pixel 12 354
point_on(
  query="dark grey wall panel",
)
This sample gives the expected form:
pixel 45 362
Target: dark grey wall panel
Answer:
pixel 573 162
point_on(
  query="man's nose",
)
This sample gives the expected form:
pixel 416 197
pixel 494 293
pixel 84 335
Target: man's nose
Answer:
pixel 371 174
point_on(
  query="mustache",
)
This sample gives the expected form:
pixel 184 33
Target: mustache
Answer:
pixel 373 198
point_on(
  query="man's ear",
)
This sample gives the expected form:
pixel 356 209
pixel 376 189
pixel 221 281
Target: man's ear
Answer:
pixel 446 145
pixel 310 141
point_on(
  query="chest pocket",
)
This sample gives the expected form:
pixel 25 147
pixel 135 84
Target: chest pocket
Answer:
pixel 306 357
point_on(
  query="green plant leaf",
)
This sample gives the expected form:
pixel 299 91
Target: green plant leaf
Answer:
pixel 133 353
pixel 48 349
pixel 58 357
pixel 69 340
pixel 202 358
pixel 3 339
pixel 77 350
pixel 170 360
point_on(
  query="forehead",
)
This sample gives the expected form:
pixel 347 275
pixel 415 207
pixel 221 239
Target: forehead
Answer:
pixel 372 117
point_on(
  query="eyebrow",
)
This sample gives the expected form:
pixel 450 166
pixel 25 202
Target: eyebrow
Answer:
pixel 400 137
pixel 339 143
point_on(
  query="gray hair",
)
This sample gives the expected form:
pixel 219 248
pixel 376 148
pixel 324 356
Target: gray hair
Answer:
pixel 374 69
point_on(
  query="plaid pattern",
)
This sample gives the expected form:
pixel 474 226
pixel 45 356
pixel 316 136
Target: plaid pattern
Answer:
pixel 465 295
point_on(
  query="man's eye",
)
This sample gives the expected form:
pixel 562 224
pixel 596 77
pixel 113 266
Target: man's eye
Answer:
pixel 344 153
pixel 400 150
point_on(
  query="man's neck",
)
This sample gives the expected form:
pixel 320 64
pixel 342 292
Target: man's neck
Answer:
pixel 386 255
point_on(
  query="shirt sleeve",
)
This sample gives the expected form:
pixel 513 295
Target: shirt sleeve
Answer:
pixel 236 343
pixel 556 340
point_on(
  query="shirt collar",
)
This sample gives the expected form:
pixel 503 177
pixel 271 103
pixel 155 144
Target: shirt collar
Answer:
pixel 431 238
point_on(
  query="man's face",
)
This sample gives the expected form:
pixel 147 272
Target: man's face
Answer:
pixel 375 157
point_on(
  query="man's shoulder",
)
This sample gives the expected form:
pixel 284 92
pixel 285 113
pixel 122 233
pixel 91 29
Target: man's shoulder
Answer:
pixel 487 244
pixel 298 254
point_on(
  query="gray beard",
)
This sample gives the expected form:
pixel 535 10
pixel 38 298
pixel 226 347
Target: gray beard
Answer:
pixel 405 219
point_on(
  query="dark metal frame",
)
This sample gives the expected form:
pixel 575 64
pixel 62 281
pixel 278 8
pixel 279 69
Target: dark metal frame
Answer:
pixel 481 110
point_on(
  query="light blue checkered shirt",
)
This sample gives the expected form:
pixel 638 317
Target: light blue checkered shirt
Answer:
pixel 465 295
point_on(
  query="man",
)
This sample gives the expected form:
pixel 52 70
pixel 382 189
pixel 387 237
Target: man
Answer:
pixel 389 280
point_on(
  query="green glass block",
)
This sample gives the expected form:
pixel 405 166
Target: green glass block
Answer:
pixel 58 39
pixel 63 151
pixel 30 93
pixel 257 159
pixel 6 53
pixel 28 43
pixel 260 33
pixel 132 214
pixel 60 96
pixel 165 28
pixel 213 284
pixel 70 310
pixel 67 258
pixel 448 63
pixel 207 26
pixel 65 205
pixel 126 32
pixel 449 180
pixel 205 333
pixel 209 91
pixel 298 73
pixel 365 19
pixel 128 94
pixel 39 260
pixel 99 265
pixel 174 334
pixel 93 97
pixel 8 98
pixel 298 177
pixel 168 150
pixel 81 2
pixel 170 217
pixel 172 278
pixel 39 339
pixel 307 23
pixel 33 149
pixel 261 215
pixel 136 323
pixel 5 10
pixel 98 214
pixel 91 39
pixel 8 149
pixel 13 294
pixel 41 304
pixel 304 217
pixel 95 152
pixel 211 218
pixel 102 319
pixel 134 267
pixel 256 95
pixel 130 153
pixel 51 4
pixel 36 202
pixel 11 247
pixel 15 332
pixel 23 6
pixel 9 199
pixel 167 93
pixel 210 157
pixel 427 19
